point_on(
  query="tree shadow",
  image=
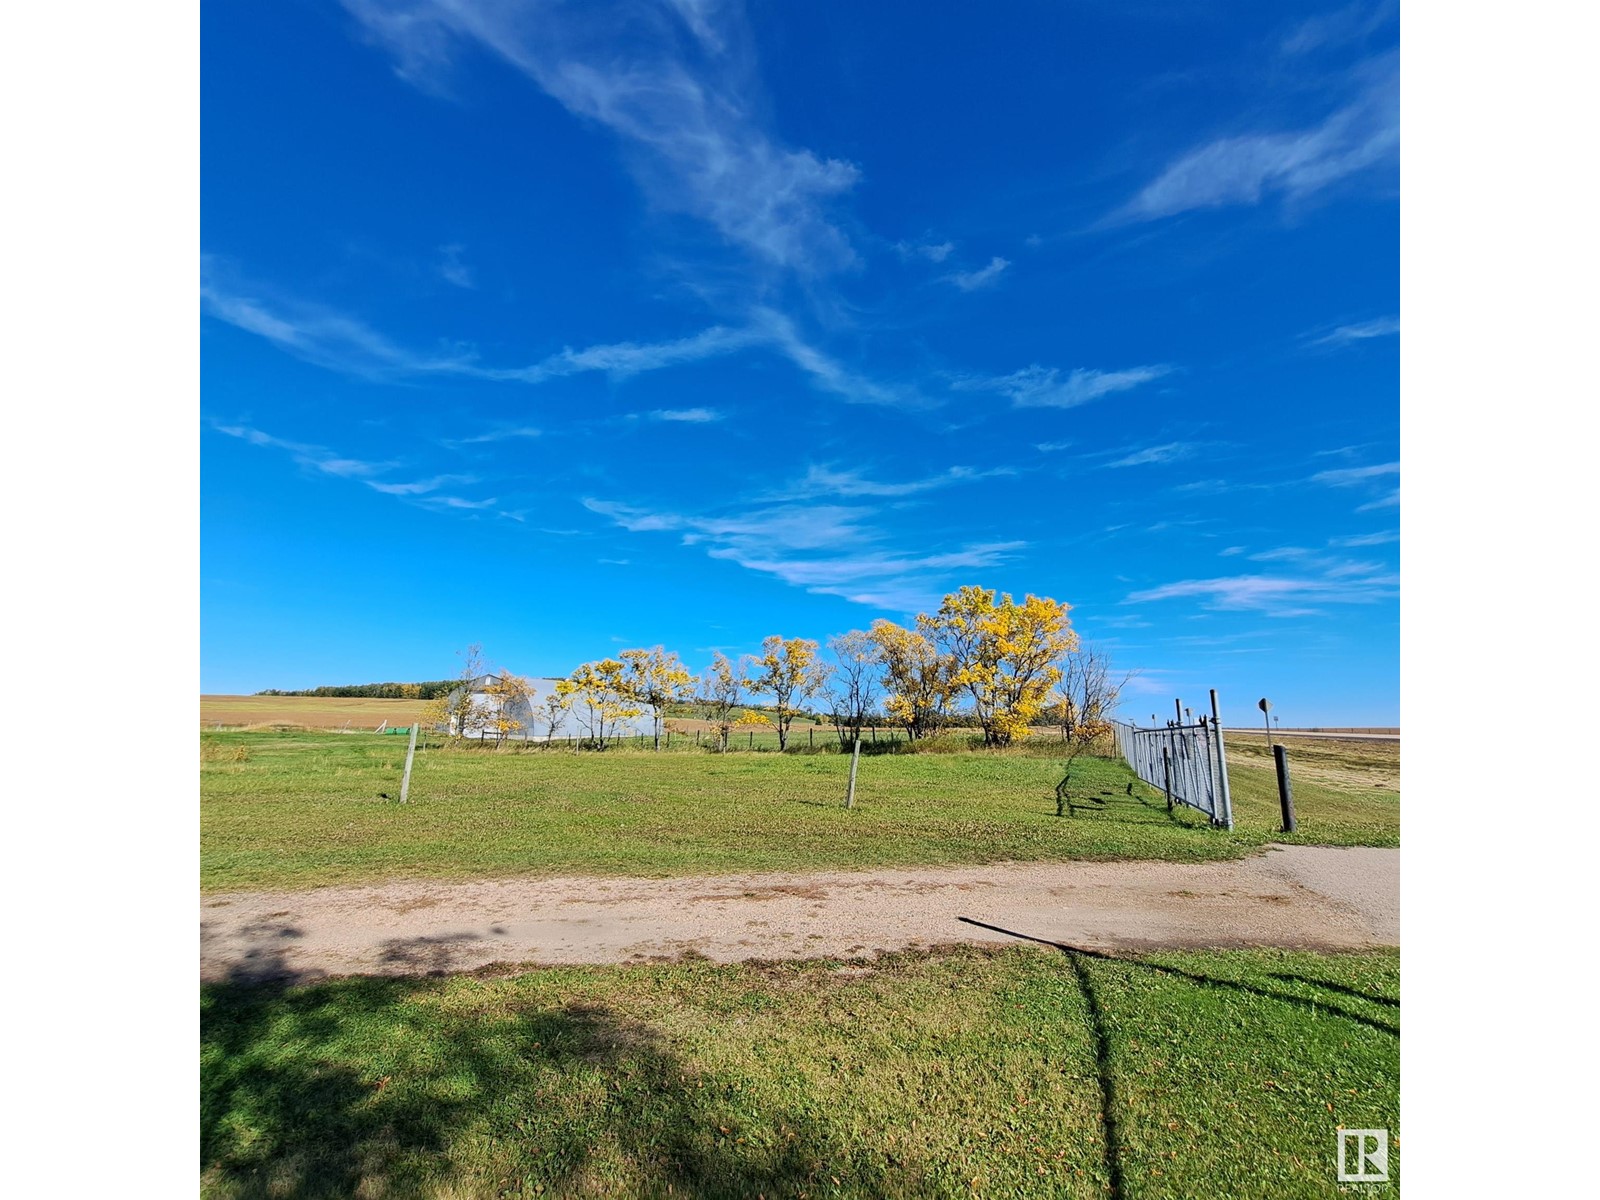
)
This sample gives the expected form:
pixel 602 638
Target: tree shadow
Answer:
pixel 1206 980
pixel 1386 1001
pixel 266 961
pixel 1099 799
pixel 425 955
pixel 1105 1073
pixel 1077 956
pixel 289 1105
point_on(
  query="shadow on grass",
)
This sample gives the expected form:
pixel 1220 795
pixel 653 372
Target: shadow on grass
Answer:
pixel 1128 804
pixel 1077 957
pixel 1105 1072
pixel 1386 1001
pixel 556 1100
pixel 1211 981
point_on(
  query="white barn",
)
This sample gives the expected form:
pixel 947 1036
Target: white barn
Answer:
pixel 533 716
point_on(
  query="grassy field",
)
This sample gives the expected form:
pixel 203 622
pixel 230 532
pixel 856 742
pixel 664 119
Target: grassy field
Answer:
pixel 287 810
pixel 1323 772
pixel 1021 1072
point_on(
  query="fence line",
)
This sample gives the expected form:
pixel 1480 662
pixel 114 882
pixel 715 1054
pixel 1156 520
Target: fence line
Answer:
pixel 746 739
pixel 1187 762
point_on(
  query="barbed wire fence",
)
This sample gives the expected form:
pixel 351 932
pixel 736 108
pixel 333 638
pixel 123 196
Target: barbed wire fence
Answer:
pixel 1184 758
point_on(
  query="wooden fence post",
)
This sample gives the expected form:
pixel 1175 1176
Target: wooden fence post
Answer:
pixel 411 753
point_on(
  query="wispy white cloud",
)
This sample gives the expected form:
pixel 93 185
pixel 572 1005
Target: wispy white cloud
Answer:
pixel 822 481
pixel 622 360
pixel 1352 476
pixel 1048 387
pixel 934 252
pixel 418 487
pixel 1169 452
pixel 451 267
pixel 1052 447
pixel 458 502
pixel 828 373
pixel 320 458
pixel 1366 539
pixel 969 281
pixel 686 120
pixel 506 434
pixel 1359 332
pixel 1244 169
pixel 1392 500
pixel 346 344
pixel 1277 596
pixel 833 550
pixel 692 416
pixel 1218 487
pixel 322 336
pixel 1353 23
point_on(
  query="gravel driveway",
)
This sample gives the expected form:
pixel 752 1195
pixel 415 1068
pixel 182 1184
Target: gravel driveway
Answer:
pixel 1309 897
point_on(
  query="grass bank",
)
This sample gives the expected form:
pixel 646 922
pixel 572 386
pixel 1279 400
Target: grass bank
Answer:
pixel 1020 1072
pixel 302 810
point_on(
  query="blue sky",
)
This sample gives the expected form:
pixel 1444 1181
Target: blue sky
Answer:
pixel 568 328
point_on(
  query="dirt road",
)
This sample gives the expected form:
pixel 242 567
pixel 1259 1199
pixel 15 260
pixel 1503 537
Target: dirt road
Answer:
pixel 1292 896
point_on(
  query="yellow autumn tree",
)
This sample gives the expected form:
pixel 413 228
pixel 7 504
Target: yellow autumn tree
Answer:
pixel 916 678
pixel 654 679
pixel 788 670
pixel 600 698
pixel 508 697
pixel 719 695
pixel 750 721
pixel 1006 656
pixel 459 712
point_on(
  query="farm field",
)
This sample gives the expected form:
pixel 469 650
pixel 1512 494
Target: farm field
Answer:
pixel 1017 1072
pixel 299 810
pixel 310 712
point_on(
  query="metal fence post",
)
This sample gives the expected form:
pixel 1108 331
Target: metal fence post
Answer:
pixel 1222 764
pixel 1166 770
pixel 1285 797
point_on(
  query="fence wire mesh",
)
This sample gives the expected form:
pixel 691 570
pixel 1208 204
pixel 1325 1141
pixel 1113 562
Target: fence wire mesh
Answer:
pixel 1187 759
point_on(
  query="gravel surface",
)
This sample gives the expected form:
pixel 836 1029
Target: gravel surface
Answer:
pixel 1308 897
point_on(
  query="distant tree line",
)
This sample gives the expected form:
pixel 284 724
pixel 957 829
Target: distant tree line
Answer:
pixel 983 661
pixel 378 691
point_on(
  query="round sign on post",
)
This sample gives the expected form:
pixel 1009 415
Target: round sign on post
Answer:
pixel 1263 704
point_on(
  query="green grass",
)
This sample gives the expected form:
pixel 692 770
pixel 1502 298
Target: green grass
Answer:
pixel 1018 1072
pixel 303 810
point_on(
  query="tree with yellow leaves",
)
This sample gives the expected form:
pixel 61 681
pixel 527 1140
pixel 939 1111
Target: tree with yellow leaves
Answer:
pixel 916 678
pixel 459 712
pixel 788 671
pixel 719 695
pixel 1005 655
pixel 557 705
pixel 507 698
pixel 601 699
pixel 750 721
pixel 654 679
